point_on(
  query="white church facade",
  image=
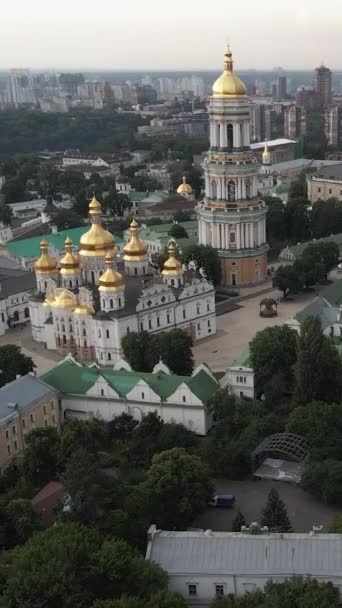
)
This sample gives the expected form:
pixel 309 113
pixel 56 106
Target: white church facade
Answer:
pixel 92 300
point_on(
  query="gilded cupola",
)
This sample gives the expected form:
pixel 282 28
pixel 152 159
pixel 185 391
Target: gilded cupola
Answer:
pixel 134 250
pixel 184 188
pixel 96 241
pixel 111 279
pixel 64 299
pixel 172 266
pixel 45 264
pixel 69 262
pixel 228 84
pixel 266 156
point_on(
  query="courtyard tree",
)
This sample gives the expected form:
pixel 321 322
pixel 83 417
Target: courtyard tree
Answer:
pixel 141 350
pixel 13 362
pixel 178 487
pixel 321 425
pixel 206 257
pixel 274 514
pixel 325 254
pixel 273 354
pixel 238 521
pixel 93 435
pixel 178 232
pixel 20 522
pixel 318 369
pixel 287 280
pixel 323 479
pixel 175 349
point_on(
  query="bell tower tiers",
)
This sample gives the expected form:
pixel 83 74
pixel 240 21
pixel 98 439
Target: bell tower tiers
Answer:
pixel 231 217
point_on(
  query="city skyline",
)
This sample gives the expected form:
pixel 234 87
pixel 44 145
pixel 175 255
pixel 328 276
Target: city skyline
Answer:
pixel 143 37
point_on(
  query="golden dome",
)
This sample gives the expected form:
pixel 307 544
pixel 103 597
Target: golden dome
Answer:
pixel 111 280
pixel 134 250
pixel 49 300
pixel 70 262
pixel 45 264
pixel 266 153
pixel 184 188
pixel 84 309
pixel 64 299
pixel 228 84
pixel 172 266
pixel 96 241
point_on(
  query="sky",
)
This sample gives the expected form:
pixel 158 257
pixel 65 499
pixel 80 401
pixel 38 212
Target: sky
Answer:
pixel 174 34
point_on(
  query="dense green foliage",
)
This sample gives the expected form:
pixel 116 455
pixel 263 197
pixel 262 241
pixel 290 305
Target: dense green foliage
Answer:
pixel 178 232
pixel 206 257
pixel 13 362
pixel 273 354
pixel 24 131
pixel 143 350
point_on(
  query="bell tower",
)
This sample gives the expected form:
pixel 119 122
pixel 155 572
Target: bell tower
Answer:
pixel 231 217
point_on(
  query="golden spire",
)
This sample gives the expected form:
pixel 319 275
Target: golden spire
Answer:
pixel 94 206
pixel 134 250
pixel 45 264
pixel 172 266
pixel 111 280
pixel 228 84
pixel 69 263
pixel 184 188
pixel 266 157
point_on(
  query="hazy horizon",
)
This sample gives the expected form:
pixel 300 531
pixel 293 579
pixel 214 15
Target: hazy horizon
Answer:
pixel 146 37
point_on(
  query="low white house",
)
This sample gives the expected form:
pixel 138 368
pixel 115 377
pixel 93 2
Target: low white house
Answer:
pixel 203 565
pixel 239 378
pixel 28 208
pixel 16 286
pixel 105 393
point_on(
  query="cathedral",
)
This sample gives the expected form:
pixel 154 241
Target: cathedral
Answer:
pixel 93 299
pixel 231 217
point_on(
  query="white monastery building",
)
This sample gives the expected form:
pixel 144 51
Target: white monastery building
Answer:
pixel 87 305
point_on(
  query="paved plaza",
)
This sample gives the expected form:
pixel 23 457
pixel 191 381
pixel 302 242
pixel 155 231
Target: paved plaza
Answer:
pixel 22 336
pixel 237 328
pixel 303 510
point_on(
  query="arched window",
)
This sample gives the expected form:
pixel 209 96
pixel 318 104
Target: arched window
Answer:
pixel 70 328
pixel 64 339
pixel 230 137
pixel 198 308
pixel 213 189
pixel 63 327
pixel 71 340
pixel 111 303
pixel 85 343
pixel 109 357
pixel 93 277
pixel 16 316
pixel 84 333
pixel 26 313
pixel 172 282
pixel 135 271
pixel 45 284
pixel 70 283
pixel 58 341
pixel 231 191
pixel 119 302
pixel 248 188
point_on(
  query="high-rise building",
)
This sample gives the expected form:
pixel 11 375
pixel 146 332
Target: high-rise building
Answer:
pixel 323 85
pixel 331 126
pixel 20 88
pixel 282 87
pixel 294 122
pixel 231 217
pixel 307 98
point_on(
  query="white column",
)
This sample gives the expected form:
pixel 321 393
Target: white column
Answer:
pixel 219 188
pixel 227 236
pixel 246 134
pixel 236 135
pixel 212 133
pixel 218 239
pixel 243 189
pixel 238 240
pixel 221 135
pixel 207 185
pixel 252 234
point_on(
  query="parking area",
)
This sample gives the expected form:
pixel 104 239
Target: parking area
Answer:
pixel 251 495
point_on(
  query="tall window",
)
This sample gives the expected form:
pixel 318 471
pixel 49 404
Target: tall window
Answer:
pixel 231 191
pixel 213 189
pixel 230 138
pixel 111 304
pixel 248 188
pixel 192 590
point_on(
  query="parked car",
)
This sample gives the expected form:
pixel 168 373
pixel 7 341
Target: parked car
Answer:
pixel 222 500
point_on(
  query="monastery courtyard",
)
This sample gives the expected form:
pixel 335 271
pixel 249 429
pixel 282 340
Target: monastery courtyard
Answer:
pixel 237 328
pixel 234 331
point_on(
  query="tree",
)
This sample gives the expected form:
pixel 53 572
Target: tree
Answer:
pixel 326 254
pixel 116 202
pixel 93 435
pixel 287 280
pixel 297 220
pixel 6 214
pixel 326 218
pixel 66 219
pixel 207 257
pixel 142 183
pixel 166 599
pixel 14 190
pixel 238 521
pixel 145 439
pixel 275 222
pixel 41 455
pixel 335 527
pixel 273 353
pixel 274 515
pixel 122 427
pixel 13 362
pixel 323 479
pixel 178 232
pixel 309 271
pixel 175 350
pixel 71 566
pixel 123 602
pixel 20 522
pixel 139 350
pixel 321 425
pixel 318 369
pixel 178 488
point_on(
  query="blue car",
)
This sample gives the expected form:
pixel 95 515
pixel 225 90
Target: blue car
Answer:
pixel 222 500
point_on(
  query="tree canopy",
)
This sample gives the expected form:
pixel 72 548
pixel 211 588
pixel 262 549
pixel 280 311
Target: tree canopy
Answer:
pixel 13 362
pixel 143 350
pixel 274 514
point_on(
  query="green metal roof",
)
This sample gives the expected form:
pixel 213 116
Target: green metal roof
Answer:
pixel 69 378
pixel 333 293
pixel 30 248
pixel 297 250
